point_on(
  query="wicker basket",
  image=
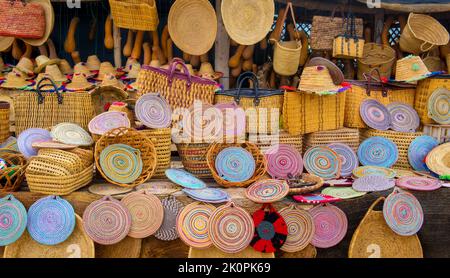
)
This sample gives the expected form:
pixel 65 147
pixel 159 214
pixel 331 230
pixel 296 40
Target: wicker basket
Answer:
pixel 376 56
pixel 10 95
pixel 440 132
pixel 306 189
pixel 87 156
pixel 161 138
pixel 264 142
pixel 374 239
pixel 11 177
pixel 433 63
pixel 305 113
pixel 348 136
pixel 260 160
pixel 4 121
pixel 425 89
pixel 135 139
pixel 135 14
pixel 401 139
pixel 193 157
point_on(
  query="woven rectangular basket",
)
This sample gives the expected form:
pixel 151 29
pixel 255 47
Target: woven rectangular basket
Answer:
pixel 425 89
pixel 306 113
pixel 401 139
pixel 135 14
pixel 348 136
pixel 161 139
pixel 264 142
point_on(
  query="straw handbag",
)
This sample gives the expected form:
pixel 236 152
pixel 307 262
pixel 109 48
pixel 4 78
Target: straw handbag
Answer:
pixel 376 56
pixel 422 34
pixel 348 45
pixel 371 89
pixel 425 89
pixel 21 19
pixel 263 106
pixel 180 89
pixel 305 112
pixel 286 55
pixel 135 14
pixel 326 28
pixel 47 109
pixel 374 239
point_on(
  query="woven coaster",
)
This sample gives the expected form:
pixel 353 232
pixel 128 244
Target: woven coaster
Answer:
pixel 192 225
pixel 13 220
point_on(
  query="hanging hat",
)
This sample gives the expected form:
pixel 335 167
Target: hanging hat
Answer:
pixel 25 65
pixel 206 71
pixel 93 62
pixel 105 68
pixel 411 69
pixel 81 68
pixel 15 80
pixel 55 73
pixel 111 80
pixel 49 22
pixel 5 43
pixel 65 67
pixel 317 79
pixel 438 160
pixel 43 61
pixel 79 83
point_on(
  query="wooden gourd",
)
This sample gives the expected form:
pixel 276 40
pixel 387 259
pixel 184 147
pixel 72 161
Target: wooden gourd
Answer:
pixel 195 61
pixel 28 51
pixel 70 44
pixel 235 72
pixel 137 48
pixel 186 57
pixel 43 50
pixel 247 65
pixel 169 49
pixel 248 52
pixel 160 55
pixel 93 30
pixel 236 58
pixel 75 57
pixel 155 38
pixel 276 34
pixel 164 38
pixel 109 40
pixel 51 50
pixel 147 53
pixel 128 47
pixel 16 50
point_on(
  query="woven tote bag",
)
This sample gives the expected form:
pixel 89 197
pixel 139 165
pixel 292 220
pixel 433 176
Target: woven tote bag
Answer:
pixel 374 239
pixel 326 28
pixel 376 56
pixel 180 89
pixel 425 89
pixel 21 19
pixel 348 45
pixel 135 14
pixel 47 109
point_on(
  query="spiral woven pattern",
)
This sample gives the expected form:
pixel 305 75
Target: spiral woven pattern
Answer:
pixel 403 213
pixel 234 122
pixel 230 228
pixel 404 117
pixel 373 184
pixel 322 162
pixel 300 229
pixel 13 220
pixel 51 220
pixel 208 195
pixel 107 221
pixel 121 163
pixel 283 161
pixel 349 159
pixel 378 151
pixel 185 179
pixel 439 106
pixel 375 114
pixel 374 171
pixel 192 225
pixel 419 183
pixel 203 123
pixel 146 211
pixel 168 230
pixel 418 151
pixel 267 191
pixel 153 111
pixel 107 121
pixel 30 136
pixel 69 133
pixel 330 225
pixel 235 164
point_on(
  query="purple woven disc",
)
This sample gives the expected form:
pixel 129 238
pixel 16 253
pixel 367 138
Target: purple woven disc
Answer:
pixel 375 114
pixel 404 117
pixel 107 121
pixel 30 136
pixel 373 184
pixel 284 160
pixel 153 111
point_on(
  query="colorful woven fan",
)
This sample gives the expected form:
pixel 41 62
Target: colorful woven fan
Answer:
pixel 153 111
pixel 192 225
pixel 168 229
pixel 322 162
pixel 13 220
pixel 235 164
pixel 270 230
pixel 283 161
pixel 300 228
pixel 121 163
pixel 349 159
pixel 375 114
pixel 330 226
pixel 378 151
pixel 418 151
pixel 404 117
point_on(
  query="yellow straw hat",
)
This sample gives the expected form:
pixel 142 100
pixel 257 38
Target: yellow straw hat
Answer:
pixel 15 80
pixel 133 70
pixel 55 73
pixel 65 67
pixel 42 61
pixel 207 71
pixel 79 83
pixel 317 79
pixel 438 160
pixel 49 22
pixel 248 22
pixel 106 68
pixel 111 80
pixel 25 65
pixel 93 62
pixel 412 69
pixel 81 68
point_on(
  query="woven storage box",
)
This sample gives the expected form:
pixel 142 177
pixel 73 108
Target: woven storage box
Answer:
pixel 425 89
pixel 306 113
pixel 11 177
pixel 440 132
pixel 161 139
pixel 375 239
pixel 4 121
pixel 193 157
pixel 348 136
pixel 376 56
pixel 401 139
pixel 134 139
pixel 10 95
pixel 361 91
pixel 264 142
pixel 135 14
pixel 260 161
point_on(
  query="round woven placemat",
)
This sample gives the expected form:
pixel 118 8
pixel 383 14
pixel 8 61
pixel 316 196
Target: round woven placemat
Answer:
pixel 208 195
pixel 283 161
pixel 121 163
pixel 267 191
pixel 192 225
pixel 235 164
pixel 378 151
pixel 374 171
pixel 419 183
pixel 168 229
pixel 330 224
pixel 270 230
pixel 418 151
pixel 343 192
pixel 13 220
pixel 153 111
pixel 375 114
pixel 107 189
pixel 404 117
pixel 439 106
pixel 185 179
pixel 300 228
pixel 373 184
pixel 30 136
pixel 69 133
pixel 349 159
pixel 322 162
pixel 107 121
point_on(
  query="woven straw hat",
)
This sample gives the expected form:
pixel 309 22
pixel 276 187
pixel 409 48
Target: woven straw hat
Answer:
pixel 411 69
pixel 15 80
pixel 106 68
pixel 49 22
pixel 5 42
pixel 207 71
pixel 129 63
pixel 438 160
pixel 55 73
pixel 335 71
pixel 111 80
pixel 133 70
pixel 193 25
pixel 65 67
pixel 317 79
pixel 248 22
pixel 47 85
pixel 79 83
pixel 93 62
pixel 43 61
pixel 25 65
pixel 81 68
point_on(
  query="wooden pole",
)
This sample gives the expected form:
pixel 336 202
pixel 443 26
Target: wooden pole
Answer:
pixel 117 46
pixel 222 48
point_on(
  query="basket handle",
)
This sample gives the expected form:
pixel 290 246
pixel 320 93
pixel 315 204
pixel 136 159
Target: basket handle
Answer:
pixel 338 7
pixel 381 199
pixel 24 2
pixel 248 76
pixel 39 86
pixel 289 7
pixel 173 68
pixel 426 49
pixel 370 77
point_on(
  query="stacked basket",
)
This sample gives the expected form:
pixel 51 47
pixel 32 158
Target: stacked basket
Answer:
pixel 348 136
pixel 161 139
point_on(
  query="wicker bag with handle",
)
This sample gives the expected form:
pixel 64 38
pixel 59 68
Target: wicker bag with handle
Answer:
pixel 135 14
pixel 348 45
pixel 21 19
